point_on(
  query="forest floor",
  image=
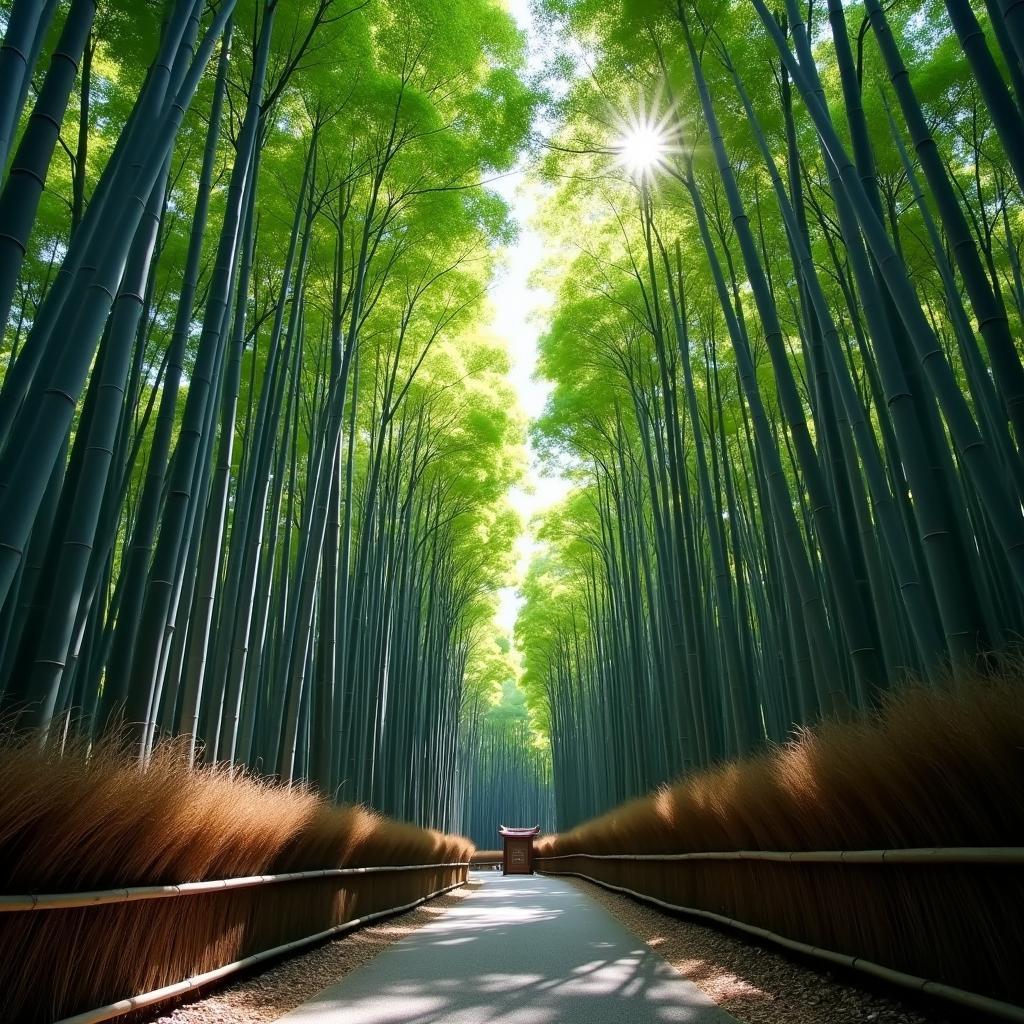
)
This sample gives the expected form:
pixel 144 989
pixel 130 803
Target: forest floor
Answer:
pixel 756 984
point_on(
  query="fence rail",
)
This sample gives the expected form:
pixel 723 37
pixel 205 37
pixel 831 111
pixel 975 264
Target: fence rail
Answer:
pixel 924 855
pixel 961 997
pixel 101 897
pixel 197 981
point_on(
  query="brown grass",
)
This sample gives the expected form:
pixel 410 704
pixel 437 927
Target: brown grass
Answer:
pixel 78 823
pixel 931 768
pixel 486 856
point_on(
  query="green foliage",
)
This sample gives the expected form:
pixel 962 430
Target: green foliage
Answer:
pixel 347 528
pixel 729 409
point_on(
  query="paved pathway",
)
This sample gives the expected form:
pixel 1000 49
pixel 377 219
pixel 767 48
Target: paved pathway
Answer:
pixel 518 950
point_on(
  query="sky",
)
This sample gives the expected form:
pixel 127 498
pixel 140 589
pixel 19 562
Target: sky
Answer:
pixel 519 310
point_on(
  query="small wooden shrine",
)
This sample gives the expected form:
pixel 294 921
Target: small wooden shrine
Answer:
pixel 517 854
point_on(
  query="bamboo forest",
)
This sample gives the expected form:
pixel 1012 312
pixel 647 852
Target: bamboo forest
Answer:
pixel 573 436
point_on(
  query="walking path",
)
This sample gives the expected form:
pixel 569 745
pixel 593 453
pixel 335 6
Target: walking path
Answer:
pixel 518 950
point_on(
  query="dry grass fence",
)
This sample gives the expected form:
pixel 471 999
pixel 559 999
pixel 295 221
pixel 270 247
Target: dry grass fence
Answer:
pixel 77 823
pixel 486 856
pixel 931 769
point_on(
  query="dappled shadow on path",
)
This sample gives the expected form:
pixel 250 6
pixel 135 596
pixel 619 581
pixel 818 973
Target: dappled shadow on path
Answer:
pixel 763 984
pixel 519 950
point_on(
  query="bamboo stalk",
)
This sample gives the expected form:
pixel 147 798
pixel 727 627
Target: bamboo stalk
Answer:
pixel 99 897
pixel 971 1000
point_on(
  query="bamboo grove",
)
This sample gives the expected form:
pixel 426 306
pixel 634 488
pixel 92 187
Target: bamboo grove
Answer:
pixel 254 447
pixel 787 375
pixel 505 768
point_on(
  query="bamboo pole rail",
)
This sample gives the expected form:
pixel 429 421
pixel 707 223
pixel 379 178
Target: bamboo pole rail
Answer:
pixel 101 897
pixel 971 1000
pixel 181 988
pixel 923 855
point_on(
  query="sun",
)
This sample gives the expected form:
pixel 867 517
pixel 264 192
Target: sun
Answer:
pixel 644 143
pixel 642 150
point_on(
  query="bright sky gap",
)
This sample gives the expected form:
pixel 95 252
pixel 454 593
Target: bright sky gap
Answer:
pixel 518 305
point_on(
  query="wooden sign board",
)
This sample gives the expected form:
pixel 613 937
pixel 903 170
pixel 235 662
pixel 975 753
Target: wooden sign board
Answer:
pixel 517 858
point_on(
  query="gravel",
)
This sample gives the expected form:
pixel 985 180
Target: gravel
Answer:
pixel 756 984
pixel 256 998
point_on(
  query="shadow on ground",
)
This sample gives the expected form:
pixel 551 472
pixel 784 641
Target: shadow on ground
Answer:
pixel 518 950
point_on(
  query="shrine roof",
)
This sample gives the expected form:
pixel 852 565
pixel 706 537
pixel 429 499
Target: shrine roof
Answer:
pixel 518 833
